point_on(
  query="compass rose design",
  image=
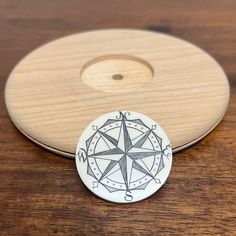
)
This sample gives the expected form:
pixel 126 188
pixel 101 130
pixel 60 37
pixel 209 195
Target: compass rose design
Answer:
pixel 123 156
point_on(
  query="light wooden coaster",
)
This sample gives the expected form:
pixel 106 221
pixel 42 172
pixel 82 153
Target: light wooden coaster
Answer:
pixel 59 88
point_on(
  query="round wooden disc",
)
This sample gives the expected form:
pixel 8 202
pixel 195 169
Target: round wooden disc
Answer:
pixel 59 88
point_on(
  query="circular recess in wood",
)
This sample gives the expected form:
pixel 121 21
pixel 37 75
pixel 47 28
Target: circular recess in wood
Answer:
pixel 117 73
pixel 58 89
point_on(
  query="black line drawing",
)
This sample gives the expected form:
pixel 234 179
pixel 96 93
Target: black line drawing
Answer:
pixel 124 155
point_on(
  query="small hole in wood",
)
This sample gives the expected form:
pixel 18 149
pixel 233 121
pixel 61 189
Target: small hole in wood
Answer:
pixel 117 77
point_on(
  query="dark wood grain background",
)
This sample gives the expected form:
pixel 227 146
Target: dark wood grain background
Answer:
pixel 41 193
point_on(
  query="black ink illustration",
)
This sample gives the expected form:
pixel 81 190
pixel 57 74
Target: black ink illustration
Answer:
pixel 124 155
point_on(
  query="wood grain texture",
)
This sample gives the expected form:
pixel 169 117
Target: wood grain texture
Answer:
pixel 41 193
pixel 57 90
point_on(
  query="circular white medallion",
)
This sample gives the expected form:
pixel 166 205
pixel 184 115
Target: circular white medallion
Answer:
pixel 123 156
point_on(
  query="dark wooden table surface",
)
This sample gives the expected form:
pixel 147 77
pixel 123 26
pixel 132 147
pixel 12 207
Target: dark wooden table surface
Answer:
pixel 41 193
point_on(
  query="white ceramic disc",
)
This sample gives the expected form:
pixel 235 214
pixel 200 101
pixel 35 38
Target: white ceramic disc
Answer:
pixel 123 157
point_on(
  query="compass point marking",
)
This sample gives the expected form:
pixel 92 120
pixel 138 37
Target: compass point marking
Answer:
pixel 95 184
